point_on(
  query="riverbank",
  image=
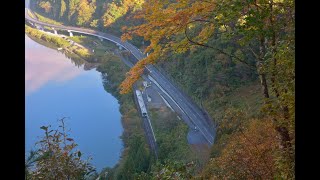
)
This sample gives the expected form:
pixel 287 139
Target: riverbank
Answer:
pixel 113 72
pixel 60 42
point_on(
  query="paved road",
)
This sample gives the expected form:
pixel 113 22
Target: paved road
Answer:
pixel 189 110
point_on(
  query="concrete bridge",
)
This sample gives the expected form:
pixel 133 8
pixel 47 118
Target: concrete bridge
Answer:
pixel 135 51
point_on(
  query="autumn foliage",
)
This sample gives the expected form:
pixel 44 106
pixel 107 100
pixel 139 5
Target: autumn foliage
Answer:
pixel 248 155
pixel 264 31
pixel 164 22
pixel 258 34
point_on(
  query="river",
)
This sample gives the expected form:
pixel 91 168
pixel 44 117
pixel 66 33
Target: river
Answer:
pixel 56 88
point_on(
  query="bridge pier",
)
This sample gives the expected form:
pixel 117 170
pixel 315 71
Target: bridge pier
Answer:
pixel 120 47
pixel 39 27
pixel 55 31
pixel 70 33
pixel 101 39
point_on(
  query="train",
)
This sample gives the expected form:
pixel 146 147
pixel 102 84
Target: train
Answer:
pixel 142 106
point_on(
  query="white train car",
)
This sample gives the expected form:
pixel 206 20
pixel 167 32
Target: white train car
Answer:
pixel 141 103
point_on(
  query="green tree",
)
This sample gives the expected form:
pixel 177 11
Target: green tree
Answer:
pixel 73 6
pixel 112 13
pixel 46 5
pixel 170 170
pixel 137 161
pixel 85 12
pixel 63 8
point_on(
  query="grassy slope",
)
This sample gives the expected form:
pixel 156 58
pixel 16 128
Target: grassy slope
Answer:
pixel 247 97
pixel 166 127
pixel 245 100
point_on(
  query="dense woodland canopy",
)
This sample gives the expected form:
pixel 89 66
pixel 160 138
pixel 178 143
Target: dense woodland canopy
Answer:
pixel 214 50
pixel 255 33
pixel 90 13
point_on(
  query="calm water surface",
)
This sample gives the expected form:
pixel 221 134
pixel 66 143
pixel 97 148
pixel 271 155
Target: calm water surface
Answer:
pixel 56 88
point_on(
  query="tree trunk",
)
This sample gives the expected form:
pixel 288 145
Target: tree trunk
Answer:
pixel 262 75
pixel 273 75
pixel 283 131
pixel 264 84
pixel 273 44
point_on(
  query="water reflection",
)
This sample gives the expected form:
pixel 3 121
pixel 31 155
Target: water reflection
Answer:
pixel 41 68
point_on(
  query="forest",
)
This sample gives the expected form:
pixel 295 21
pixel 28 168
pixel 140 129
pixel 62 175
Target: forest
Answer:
pixel 235 59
